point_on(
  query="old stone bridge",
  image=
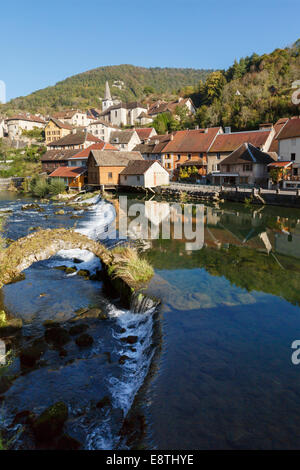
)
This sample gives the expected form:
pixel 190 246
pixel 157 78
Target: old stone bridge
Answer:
pixel 42 245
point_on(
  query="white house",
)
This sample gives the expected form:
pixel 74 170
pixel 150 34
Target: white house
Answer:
pixel 146 174
pixel 2 127
pixel 74 117
pixel 16 124
pixel 289 150
pixel 125 140
pixel 101 129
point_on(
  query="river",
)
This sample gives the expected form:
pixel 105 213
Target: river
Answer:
pixel 211 368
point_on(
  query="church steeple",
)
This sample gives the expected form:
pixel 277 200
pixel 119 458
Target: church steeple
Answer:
pixel 107 101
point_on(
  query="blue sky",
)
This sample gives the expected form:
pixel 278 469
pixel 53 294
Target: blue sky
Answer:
pixel 42 43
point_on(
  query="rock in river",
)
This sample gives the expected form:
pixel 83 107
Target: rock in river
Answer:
pixel 50 423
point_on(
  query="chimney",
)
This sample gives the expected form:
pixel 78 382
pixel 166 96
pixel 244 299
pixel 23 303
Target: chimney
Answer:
pixel 228 130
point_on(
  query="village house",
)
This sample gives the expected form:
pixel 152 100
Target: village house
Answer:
pixel 288 139
pixel 56 129
pixel 151 149
pixel 55 158
pixel 75 140
pixel 246 165
pixel 225 143
pixel 160 107
pixel 143 119
pixel 188 146
pixel 74 117
pixel 74 178
pixel 284 177
pixel 142 173
pixel 145 133
pixel 16 124
pixel 125 140
pixel 80 159
pixel 101 129
pixel 104 167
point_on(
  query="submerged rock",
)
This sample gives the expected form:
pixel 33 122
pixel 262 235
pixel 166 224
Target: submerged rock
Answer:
pixel 83 272
pixel 123 359
pixel 90 313
pixel 129 339
pixel 84 340
pixel 57 336
pixel 33 206
pixel 78 329
pixel 70 270
pixel 60 212
pixel 50 423
pixel 29 356
pixel 105 401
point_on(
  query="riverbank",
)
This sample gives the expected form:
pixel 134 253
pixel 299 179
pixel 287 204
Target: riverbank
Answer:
pixel 233 194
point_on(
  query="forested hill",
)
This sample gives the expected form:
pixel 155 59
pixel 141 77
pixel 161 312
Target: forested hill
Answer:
pixel 131 84
pixel 254 90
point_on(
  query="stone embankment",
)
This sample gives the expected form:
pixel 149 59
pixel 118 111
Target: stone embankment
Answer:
pixel 290 198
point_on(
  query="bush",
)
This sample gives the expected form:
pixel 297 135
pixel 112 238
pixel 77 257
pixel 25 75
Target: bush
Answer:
pixel 56 186
pixel 39 186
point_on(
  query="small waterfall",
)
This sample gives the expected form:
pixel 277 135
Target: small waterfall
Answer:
pixel 141 303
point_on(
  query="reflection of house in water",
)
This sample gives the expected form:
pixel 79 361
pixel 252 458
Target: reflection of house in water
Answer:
pixel 288 244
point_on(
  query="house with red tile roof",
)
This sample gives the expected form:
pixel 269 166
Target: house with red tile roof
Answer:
pixel 225 143
pixel 79 139
pixel 189 146
pixel 72 177
pixel 145 133
pixel 246 165
pixel 80 159
pixel 288 139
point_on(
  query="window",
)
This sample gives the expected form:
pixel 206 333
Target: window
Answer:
pixel 293 157
pixel 138 178
pixel 218 155
pixel 110 175
pixel 189 156
pixel 201 155
pixel 247 167
pixel 125 177
pixel 178 157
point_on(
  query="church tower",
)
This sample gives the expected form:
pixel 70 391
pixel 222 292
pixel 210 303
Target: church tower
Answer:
pixel 107 101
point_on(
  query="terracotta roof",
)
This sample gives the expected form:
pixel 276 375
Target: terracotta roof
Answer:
pixel 26 117
pixel 290 130
pixel 277 127
pixel 164 107
pixel 74 139
pixel 68 171
pixel 138 167
pixel 144 132
pixel 99 146
pixel 247 153
pixel 123 136
pixel 280 164
pixel 197 140
pixel 113 158
pixel 60 124
pixel 67 114
pixel 198 161
pixel 58 154
pixel 231 141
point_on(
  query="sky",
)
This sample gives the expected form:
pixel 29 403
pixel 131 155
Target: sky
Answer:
pixel 45 42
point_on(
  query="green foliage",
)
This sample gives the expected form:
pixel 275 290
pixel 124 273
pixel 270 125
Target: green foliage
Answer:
pixel 164 123
pixel 35 133
pixel 56 186
pixel 39 187
pixel 25 161
pixel 83 90
pixel 130 266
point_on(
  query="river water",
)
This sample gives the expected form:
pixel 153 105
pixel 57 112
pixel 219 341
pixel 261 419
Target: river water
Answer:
pixel 211 369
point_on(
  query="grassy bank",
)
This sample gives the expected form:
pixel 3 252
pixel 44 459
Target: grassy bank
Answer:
pixel 130 266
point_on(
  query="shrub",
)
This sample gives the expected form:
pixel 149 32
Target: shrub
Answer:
pixel 128 265
pixel 39 186
pixel 57 186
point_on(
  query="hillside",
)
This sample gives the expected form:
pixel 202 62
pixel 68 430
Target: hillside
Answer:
pixel 255 90
pixel 85 89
